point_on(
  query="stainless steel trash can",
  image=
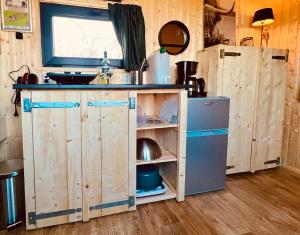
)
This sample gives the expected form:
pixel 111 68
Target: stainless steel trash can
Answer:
pixel 12 202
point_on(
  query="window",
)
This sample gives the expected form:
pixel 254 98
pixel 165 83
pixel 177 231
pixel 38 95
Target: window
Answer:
pixel 77 36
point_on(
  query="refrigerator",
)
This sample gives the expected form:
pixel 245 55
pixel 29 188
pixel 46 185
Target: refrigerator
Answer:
pixel 206 145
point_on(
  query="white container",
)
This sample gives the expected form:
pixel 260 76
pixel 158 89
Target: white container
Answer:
pixel 158 71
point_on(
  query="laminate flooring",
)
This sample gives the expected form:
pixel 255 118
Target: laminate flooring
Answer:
pixel 267 202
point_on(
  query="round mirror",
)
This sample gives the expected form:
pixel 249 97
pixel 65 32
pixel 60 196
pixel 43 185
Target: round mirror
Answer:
pixel 174 36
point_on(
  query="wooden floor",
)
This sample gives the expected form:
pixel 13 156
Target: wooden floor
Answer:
pixel 264 203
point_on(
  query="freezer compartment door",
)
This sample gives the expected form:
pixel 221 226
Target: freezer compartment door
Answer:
pixel 205 162
pixel 207 113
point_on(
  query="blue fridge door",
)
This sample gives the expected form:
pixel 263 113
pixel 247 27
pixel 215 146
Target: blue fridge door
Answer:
pixel 206 161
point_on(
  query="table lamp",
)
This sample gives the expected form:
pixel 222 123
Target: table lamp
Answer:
pixel 262 18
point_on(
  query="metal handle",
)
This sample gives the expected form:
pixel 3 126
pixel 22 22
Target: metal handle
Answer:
pixel 28 105
pixel 205 133
pixel 209 103
pixel 223 53
pixel 44 105
pixel 114 103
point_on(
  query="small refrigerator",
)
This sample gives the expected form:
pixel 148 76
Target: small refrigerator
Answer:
pixel 207 137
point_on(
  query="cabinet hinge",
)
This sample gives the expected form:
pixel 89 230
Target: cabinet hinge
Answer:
pixel 282 57
pixel 130 202
pixel 28 105
pixel 108 103
pixel 229 167
pixel 33 217
pixel 132 103
pixel 223 53
pixel 113 103
pixel 276 161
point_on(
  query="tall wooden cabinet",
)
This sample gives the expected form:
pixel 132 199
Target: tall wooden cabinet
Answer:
pixel 254 80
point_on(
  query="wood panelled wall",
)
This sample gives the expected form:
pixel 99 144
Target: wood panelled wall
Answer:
pixel 14 53
pixel 284 33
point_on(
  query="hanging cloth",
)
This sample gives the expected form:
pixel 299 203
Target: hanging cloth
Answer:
pixel 129 25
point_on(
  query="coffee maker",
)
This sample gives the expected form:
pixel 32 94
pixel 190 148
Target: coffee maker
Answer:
pixel 186 71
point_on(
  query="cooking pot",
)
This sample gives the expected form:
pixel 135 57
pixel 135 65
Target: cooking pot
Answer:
pixel 148 177
pixel 147 149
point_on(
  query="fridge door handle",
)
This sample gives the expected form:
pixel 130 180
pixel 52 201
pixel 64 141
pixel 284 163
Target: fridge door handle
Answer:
pixel 191 134
pixel 209 103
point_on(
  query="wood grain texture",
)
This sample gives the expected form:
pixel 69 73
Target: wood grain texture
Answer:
pixel 115 151
pixel 255 84
pixel 234 77
pixel 92 159
pixel 2 128
pixel 56 135
pixel 132 126
pixel 251 204
pixel 171 140
pixel 270 105
pixel 28 161
pixel 284 34
pixel 14 53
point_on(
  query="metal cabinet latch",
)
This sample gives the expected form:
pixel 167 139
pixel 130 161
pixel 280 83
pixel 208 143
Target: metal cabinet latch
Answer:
pixel 113 103
pixel 33 217
pixel 229 167
pixel 276 161
pixel 130 202
pixel 28 105
pixel 132 103
pixel 283 57
pixel 223 53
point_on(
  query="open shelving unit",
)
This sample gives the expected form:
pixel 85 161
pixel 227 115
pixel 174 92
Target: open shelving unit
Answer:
pixel 156 126
pixel 168 136
pixel 169 194
pixel 166 156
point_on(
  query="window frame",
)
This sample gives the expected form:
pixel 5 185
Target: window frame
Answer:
pixel 49 10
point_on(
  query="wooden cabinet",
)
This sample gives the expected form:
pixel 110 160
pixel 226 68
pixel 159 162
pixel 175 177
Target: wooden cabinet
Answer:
pixel 77 155
pixel 106 156
pixel 171 137
pixel 270 107
pixel 80 152
pixel 254 80
pixel 52 157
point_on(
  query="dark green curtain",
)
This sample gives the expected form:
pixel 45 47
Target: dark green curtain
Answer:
pixel 129 25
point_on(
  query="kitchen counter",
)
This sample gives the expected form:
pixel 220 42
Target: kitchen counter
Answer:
pixel 96 87
pixel 80 148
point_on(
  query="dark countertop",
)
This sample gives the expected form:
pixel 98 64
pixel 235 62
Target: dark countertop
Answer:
pixel 96 87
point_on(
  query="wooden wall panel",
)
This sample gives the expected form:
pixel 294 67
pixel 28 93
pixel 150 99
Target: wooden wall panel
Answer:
pixel 284 33
pixel 14 53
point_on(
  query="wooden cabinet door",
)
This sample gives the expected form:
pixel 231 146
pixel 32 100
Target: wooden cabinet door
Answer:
pixel 237 80
pixel 56 134
pixel 106 152
pixel 270 103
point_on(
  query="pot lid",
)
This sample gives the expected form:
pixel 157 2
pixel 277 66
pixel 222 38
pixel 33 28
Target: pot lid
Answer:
pixel 11 168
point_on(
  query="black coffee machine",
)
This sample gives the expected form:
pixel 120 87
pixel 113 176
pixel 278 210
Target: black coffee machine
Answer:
pixel 186 71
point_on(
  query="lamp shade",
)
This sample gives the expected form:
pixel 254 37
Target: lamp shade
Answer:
pixel 263 16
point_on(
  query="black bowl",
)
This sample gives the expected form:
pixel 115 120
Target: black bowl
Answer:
pixel 71 78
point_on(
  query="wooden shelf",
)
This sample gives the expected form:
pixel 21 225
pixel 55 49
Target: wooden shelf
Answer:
pixel 166 156
pixel 156 126
pixel 169 194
